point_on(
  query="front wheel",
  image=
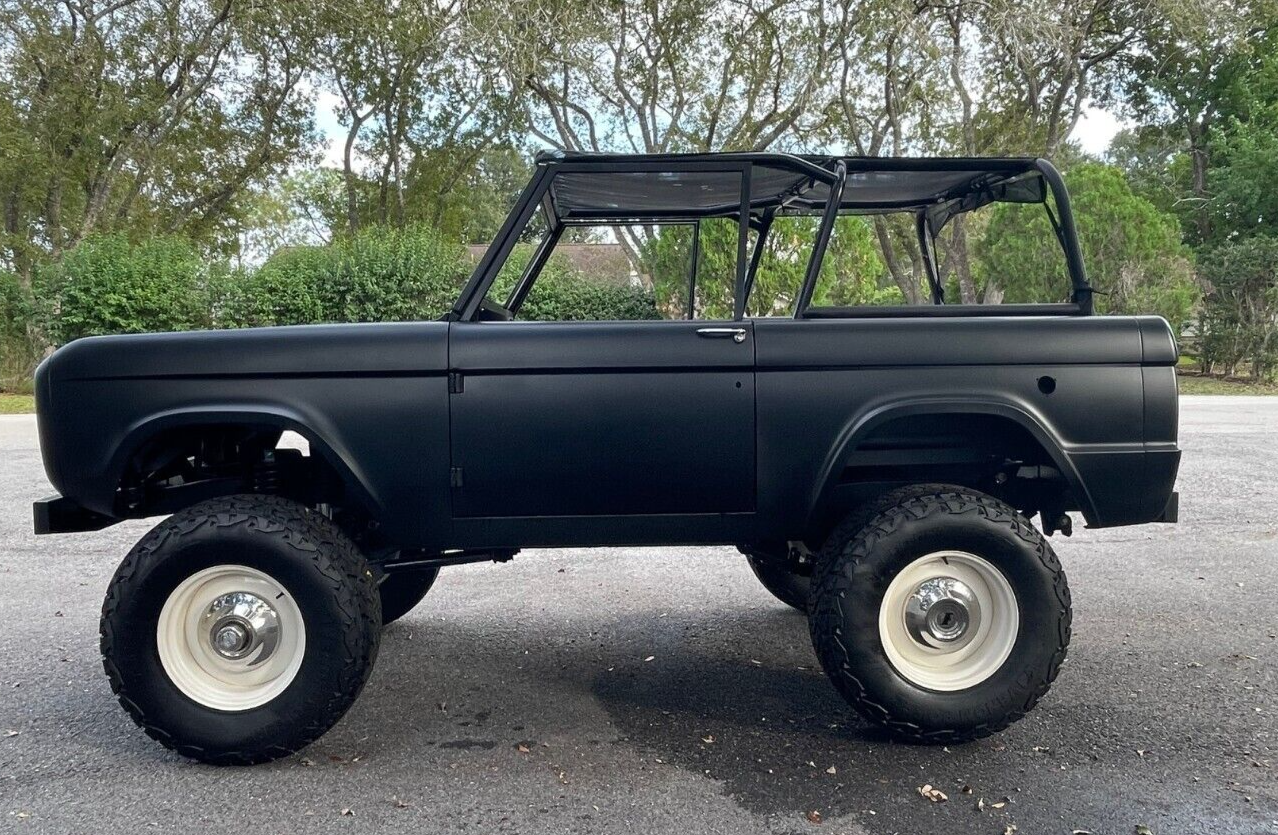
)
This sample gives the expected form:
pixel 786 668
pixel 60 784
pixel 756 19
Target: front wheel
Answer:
pixel 240 629
pixel 945 618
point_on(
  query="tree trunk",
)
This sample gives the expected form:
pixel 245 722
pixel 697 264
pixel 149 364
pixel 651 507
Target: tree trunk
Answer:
pixel 1198 156
pixel 348 176
pixel 908 282
pixel 960 261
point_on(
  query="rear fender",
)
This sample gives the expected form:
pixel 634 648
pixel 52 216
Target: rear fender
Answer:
pixel 857 429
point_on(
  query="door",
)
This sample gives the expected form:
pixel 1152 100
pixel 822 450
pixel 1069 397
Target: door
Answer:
pixel 602 419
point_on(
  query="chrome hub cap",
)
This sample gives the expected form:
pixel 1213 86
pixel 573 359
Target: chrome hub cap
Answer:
pixel 231 637
pixel 948 621
pixel 941 611
pixel 242 625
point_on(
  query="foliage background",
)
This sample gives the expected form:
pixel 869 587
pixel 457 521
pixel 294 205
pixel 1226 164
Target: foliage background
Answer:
pixel 170 164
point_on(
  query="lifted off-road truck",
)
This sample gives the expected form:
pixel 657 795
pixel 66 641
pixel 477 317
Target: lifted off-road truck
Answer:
pixel 878 466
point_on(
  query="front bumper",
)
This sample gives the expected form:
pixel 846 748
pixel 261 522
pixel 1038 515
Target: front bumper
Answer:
pixel 58 514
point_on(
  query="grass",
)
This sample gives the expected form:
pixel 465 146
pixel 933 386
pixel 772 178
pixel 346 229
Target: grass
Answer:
pixel 1195 383
pixel 16 404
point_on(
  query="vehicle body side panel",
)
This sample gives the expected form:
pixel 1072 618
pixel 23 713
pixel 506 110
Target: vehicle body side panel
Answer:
pixel 372 399
pixel 820 390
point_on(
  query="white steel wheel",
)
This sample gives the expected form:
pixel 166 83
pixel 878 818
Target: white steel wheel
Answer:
pixel 231 638
pixel 948 621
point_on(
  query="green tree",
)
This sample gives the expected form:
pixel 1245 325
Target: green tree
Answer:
pixel 145 116
pixel 852 272
pixel 1132 252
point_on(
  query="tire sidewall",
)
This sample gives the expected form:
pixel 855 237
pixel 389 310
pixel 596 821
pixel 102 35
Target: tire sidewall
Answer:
pixel 133 651
pixel 893 541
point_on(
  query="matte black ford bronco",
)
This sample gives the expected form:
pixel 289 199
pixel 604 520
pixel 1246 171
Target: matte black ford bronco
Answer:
pixel 878 466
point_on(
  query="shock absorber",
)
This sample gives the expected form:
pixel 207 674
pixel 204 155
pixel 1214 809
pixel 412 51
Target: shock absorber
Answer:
pixel 266 473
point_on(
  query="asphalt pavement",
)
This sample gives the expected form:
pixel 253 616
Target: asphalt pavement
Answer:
pixel 633 690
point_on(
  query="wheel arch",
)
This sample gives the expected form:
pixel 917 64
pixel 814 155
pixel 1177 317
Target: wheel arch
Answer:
pixel 863 425
pixel 323 442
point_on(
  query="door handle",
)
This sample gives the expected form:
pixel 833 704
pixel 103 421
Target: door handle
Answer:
pixel 737 334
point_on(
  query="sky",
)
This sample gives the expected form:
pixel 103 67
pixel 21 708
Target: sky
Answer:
pixel 1095 129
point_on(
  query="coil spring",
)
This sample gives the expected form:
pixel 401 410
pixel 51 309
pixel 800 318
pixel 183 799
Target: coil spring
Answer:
pixel 266 474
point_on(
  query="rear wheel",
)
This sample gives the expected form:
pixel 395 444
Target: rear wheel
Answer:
pixel 944 618
pixel 402 591
pixel 240 629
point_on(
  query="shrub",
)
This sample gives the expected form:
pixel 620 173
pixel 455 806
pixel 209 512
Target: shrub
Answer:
pixel 563 293
pixel 19 351
pixel 109 285
pixel 1239 321
pixel 379 275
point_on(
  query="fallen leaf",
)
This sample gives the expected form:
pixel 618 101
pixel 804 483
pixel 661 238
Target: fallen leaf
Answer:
pixel 1000 804
pixel 22 815
pixel 522 748
pixel 11 732
pixel 348 813
pixel 933 794
pixel 708 740
pixel 650 658
pixel 1010 829
pixel 966 790
pixel 1142 829
pixel 1081 832
pixel 1041 749
pixel 831 770
pixel 1193 665
pixel 306 761
pixel 398 803
pixel 813 817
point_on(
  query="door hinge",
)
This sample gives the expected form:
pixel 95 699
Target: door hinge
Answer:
pixel 455 477
pixel 456 385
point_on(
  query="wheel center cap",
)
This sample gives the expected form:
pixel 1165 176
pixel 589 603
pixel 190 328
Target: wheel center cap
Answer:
pixel 941 612
pixel 242 627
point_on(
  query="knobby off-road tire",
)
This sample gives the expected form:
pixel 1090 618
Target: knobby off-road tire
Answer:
pixel 157 629
pixel 789 587
pixel 934 529
pixel 401 592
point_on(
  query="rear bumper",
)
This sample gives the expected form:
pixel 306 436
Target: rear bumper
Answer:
pixel 58 514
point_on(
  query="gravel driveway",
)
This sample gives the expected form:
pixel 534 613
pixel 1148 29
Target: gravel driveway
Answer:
pixel 662 690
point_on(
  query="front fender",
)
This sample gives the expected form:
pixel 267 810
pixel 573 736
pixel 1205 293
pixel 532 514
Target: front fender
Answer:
pixel 324 440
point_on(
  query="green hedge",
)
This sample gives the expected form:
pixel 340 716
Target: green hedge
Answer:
pixel 380 275
pixel 109 285
pixel 19 352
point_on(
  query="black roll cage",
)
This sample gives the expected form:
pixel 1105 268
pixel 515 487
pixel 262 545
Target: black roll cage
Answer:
pixel 752 212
